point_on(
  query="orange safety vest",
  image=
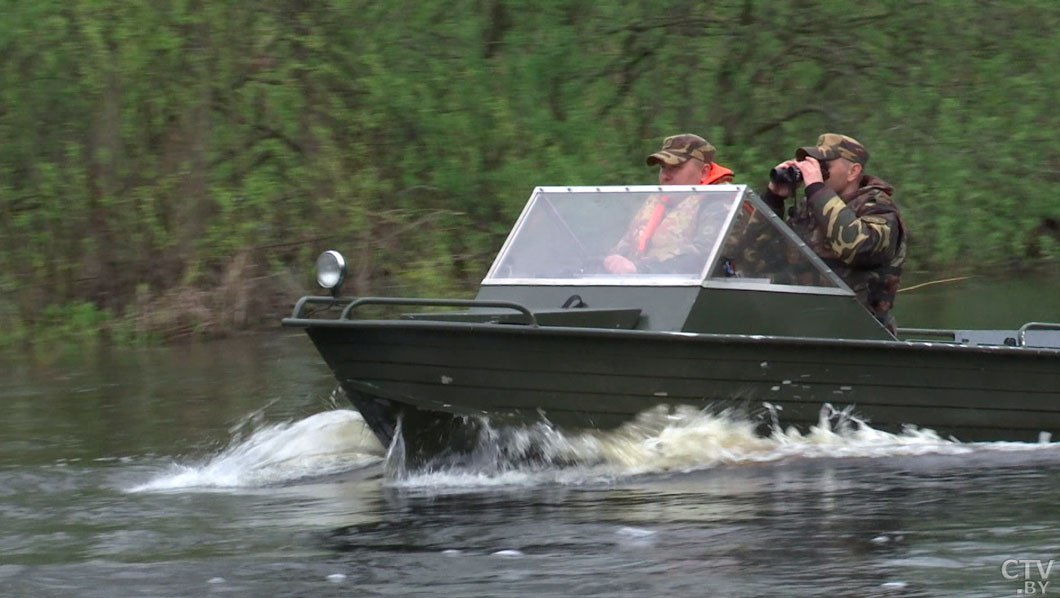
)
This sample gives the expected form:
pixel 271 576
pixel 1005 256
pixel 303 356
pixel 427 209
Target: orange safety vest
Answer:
pixel 717 175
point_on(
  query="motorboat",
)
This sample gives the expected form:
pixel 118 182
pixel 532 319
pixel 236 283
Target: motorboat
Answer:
pixel 745 317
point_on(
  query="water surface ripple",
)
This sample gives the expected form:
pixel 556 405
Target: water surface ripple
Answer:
pixel 230 468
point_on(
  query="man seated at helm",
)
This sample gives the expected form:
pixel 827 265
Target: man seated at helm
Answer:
pixel 665 236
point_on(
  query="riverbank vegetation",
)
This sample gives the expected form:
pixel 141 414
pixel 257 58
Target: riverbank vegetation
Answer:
pixel 172 169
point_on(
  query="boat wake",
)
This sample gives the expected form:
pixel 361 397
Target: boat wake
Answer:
pixel 323 444
pixel 659 441
pixel 666 440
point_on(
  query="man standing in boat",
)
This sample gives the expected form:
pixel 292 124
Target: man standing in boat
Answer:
pixel 848 218
pixel 665 233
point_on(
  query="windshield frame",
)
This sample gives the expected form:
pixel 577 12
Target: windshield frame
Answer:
pixel 741 193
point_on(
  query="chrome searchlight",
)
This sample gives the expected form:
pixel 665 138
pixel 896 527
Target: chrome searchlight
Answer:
pixel 331 270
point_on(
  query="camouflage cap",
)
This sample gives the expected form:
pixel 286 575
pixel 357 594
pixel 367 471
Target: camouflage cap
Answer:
pixel 831 146
pixel 677 149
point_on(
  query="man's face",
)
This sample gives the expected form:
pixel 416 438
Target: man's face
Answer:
pixel 689 172
pixel 840 174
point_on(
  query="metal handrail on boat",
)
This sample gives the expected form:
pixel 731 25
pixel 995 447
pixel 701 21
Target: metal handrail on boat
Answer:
pixel 531 320
pixel 296 313
pixel 1022 333
pixel 1019 338
pixel 352 303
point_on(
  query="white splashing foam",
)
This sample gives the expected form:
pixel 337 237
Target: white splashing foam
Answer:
pixel 665 440
pixel 321 444
pixel 658 441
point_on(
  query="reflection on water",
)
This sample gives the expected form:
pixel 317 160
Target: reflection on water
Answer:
pixel 862 527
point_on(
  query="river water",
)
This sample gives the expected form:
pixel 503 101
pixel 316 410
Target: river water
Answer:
pixel 232 468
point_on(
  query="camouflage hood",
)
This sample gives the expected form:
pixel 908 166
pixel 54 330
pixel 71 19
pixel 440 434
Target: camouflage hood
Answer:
pixel 879 192
pixel 869 182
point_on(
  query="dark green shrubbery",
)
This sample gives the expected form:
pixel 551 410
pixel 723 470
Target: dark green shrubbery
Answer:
pixel 195 157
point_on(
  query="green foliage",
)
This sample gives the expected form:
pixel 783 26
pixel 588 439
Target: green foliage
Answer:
pixel 74 323
pixel 145 144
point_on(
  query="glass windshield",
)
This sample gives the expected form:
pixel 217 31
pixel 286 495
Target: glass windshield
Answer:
pixel 611 234
pixel 713 235
pixel 757 250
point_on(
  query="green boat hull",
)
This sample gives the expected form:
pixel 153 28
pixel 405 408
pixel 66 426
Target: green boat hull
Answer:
pixel 435 381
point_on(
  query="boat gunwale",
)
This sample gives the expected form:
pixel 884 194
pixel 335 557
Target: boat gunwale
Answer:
pixel 586 332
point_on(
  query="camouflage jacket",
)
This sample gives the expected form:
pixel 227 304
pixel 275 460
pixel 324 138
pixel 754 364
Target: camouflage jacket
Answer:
pixel 862 240
pixel 681 241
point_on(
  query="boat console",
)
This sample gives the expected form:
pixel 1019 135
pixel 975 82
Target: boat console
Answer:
pixel 745 271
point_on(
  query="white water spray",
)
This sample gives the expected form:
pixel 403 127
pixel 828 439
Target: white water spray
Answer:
pixel 665 440
pixel 660 440
pixel 322 444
